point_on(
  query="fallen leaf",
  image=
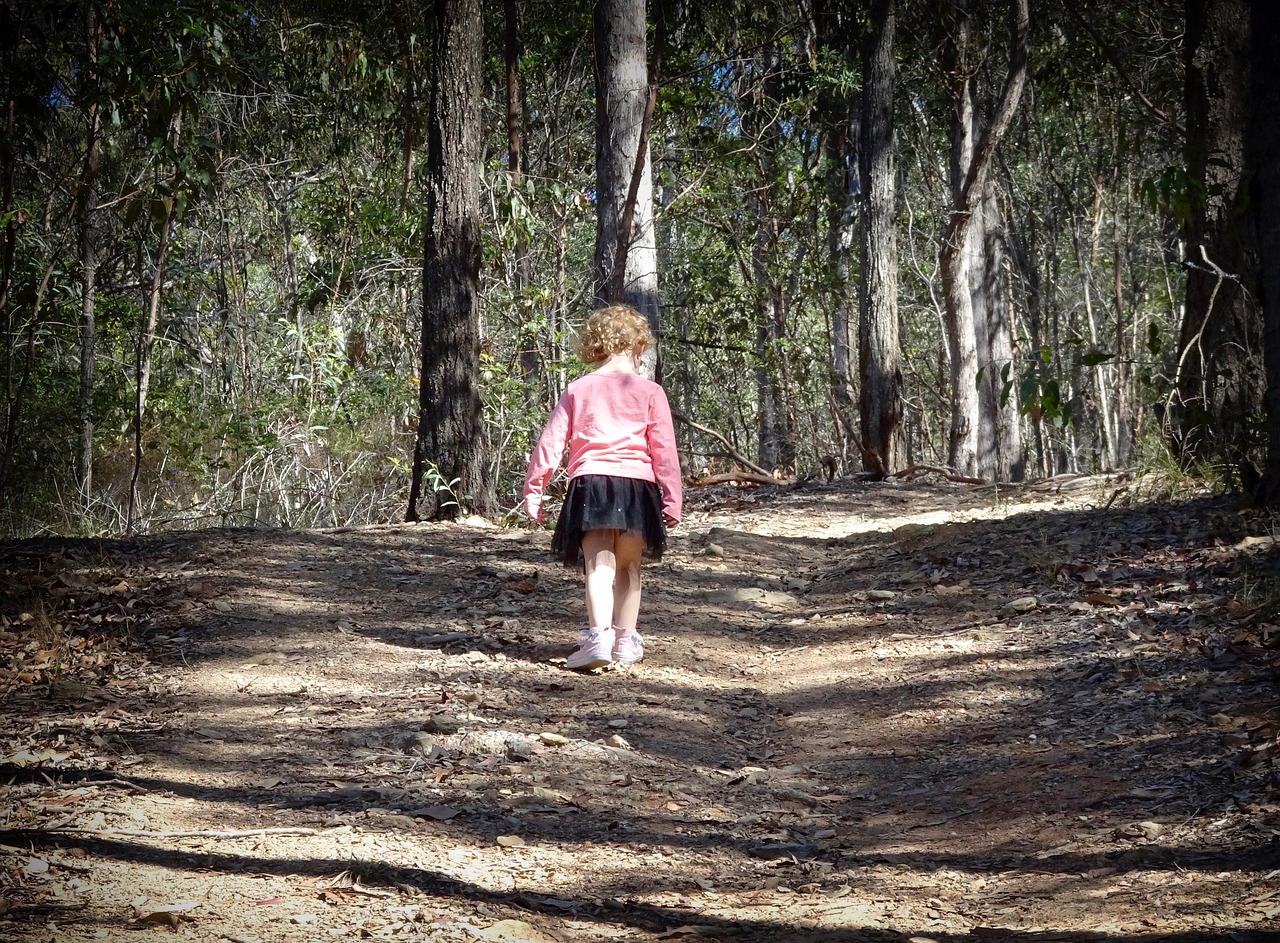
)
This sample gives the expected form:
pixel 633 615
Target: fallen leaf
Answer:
pixel 510 841
pixel 168 915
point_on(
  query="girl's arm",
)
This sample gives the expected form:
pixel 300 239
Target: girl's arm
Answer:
pixel 546 458
pixel 666 458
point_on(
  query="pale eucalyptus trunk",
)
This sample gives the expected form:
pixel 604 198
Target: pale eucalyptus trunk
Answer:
pixel 965 273
pixel 623 166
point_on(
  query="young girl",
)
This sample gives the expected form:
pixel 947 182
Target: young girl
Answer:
pixel 624 481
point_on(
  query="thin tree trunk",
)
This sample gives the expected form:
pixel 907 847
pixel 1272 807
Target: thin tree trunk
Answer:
pixel 146 343
pixel 452 450
pixel 775 430
pixel 879 349
pixel 86 206
pixel 8 247
pixel 530 337
pixel 844 196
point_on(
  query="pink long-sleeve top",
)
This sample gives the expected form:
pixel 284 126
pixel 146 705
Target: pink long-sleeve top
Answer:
pixel 613 424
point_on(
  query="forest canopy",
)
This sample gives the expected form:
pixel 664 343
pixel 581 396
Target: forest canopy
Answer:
pixel 886 234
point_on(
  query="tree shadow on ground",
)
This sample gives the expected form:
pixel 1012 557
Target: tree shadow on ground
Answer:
pixel 613 907
pixel 432 597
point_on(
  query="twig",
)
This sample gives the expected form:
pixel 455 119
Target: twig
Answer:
pixel 742 476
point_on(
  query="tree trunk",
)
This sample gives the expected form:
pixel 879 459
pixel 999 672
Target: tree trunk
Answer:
pixel 452 445
pixel 86 206
pixel 962 256
pixel 844 184
pixel 1009 461
pixel 622 99
pixel 879 350
pixel 8 315
pixel 957 261
pixel 775 428
pixel 529 352
pixel 146 343
pixel 1219 367
pixel 1265 160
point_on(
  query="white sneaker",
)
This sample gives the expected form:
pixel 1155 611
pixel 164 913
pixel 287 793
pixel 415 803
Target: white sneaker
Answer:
pixel 628 649
pixel 594 651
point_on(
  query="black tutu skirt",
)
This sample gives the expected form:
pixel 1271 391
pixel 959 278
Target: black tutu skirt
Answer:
pixel 605 502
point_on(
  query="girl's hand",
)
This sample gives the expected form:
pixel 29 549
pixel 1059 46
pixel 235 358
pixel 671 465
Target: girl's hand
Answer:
pixel 669 520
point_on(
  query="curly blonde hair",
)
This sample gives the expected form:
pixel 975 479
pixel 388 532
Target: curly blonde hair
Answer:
pixel 611 330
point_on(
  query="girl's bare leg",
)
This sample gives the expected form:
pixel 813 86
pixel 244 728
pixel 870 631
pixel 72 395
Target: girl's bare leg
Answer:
pixel 627 552
pixel 601 569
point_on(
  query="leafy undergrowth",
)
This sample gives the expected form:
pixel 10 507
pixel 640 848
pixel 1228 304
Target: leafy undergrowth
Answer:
pixel 900 711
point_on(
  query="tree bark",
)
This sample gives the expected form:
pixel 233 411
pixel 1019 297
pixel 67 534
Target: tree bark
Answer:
pixel 1265 159
pixel 86 206
pixel 146 344
pixel 774 420
pixel 622 96
pixel 530 336
pixel 962 247
pixel 1219 368
pixel 452 446
pixel 844 188
pixel 1008 461
pixel 879 349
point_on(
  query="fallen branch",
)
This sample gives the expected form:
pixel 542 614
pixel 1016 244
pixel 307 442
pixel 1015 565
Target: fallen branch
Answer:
pixel 946 473
pixel 732 452
pixel 752 477
pixel 208 833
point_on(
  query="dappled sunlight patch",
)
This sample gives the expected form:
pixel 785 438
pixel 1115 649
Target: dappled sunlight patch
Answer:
pixel 1057 719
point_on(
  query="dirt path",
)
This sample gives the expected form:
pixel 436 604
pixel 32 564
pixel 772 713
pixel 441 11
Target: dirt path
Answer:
pixel 869 712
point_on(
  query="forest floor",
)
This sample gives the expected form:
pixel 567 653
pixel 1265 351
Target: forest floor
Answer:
pixel 869 712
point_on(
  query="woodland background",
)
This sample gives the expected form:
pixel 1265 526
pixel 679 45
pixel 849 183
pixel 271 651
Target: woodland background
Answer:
pixel 1009 241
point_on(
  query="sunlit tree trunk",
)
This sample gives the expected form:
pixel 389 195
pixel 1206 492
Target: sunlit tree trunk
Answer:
pixel 452 445
pixel 623 96
pixel 957 258
pixel 1009 460
pixel 880 404
pixel 965 273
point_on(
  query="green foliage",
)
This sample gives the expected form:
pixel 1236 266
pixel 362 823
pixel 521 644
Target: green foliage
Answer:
pixel 287 145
